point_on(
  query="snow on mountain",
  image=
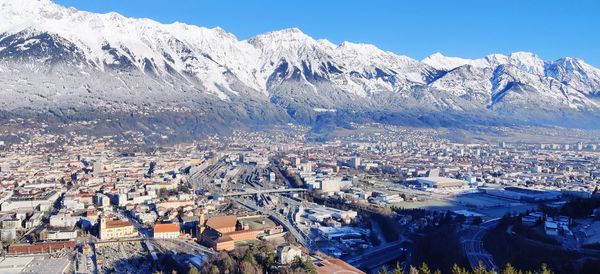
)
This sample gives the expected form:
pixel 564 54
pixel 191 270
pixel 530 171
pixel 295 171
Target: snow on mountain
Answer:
pixel 111 40
pixel 575 73
pixel 148 63
pixel 524 60
pixel 441 62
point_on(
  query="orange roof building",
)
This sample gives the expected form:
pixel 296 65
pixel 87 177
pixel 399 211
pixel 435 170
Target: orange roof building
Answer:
pixel 222 224
pixel 222 232
pixel 166 231
pixel 336 266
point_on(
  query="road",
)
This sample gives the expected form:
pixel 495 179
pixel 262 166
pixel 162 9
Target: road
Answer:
pixel 194 246
pixel 473 245
pixel 293 230
pixel 378 255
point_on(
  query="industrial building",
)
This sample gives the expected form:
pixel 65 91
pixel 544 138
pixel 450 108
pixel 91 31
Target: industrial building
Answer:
pixel 431 183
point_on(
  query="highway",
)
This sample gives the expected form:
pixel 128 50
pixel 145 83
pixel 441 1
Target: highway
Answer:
pixel 377 256
pixel 473 245
pixel 280 219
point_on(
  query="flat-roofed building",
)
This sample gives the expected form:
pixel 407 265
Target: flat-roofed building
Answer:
pixel 437 182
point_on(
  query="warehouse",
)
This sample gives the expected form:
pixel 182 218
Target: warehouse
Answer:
pixel 429 183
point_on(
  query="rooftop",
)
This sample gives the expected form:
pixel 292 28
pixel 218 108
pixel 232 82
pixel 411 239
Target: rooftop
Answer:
pixel 336 266
pixel 165 228
pixel 117 223
pixel 218 222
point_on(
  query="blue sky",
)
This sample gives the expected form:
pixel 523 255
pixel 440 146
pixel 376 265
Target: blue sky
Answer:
pixel 468 28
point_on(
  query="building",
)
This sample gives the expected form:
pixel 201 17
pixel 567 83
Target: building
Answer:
pixel 42 202
pixel 166 231
pixel 40 247
pixel 223 232
pixel 355 162
pixel 430 183
pixel 34 264
pixel 101 200
pixel 115 229
pixel 63 220
pixel 551 228
pixel 336 266
pixel 8 234
pixel 286 254
pixel 57 235
pixel 222 224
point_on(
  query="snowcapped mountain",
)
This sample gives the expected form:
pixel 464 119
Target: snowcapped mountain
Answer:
pixel 71 63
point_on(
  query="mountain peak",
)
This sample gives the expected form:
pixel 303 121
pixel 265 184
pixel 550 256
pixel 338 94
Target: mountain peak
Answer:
pixel 527 61
pixel 439 61
pixel 41 7
pixel 285 34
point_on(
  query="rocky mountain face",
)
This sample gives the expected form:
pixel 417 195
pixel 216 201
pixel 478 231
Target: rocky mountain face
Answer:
pixel 62 64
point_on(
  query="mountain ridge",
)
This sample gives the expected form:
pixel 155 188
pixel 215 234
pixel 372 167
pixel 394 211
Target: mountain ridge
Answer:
pixel 285 76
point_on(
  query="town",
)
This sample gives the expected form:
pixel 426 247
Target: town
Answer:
pixel 360 202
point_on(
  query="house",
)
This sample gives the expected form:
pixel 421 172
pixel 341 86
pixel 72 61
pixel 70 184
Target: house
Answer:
pixel 286 254
pixel 166 231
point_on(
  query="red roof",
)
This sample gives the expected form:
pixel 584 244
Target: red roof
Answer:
pixel 164 228
pixel 337 266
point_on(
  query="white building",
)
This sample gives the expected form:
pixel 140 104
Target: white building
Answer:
pixel 286 254
pixel 63 220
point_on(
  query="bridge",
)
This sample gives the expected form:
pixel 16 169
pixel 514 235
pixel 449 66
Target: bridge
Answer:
pixel 265 191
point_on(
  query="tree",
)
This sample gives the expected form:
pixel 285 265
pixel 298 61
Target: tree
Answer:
pixel 226 263
pixel 397 269
pixel 193 270
pixel 545 270
pixel 480 269
pixel 424 269
pixel 248 268
pixel 249 256
pixel 308 266
pixel 459 270
pixel 509 269
pixel 270 259
pixel 214 270
pixel 383 270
